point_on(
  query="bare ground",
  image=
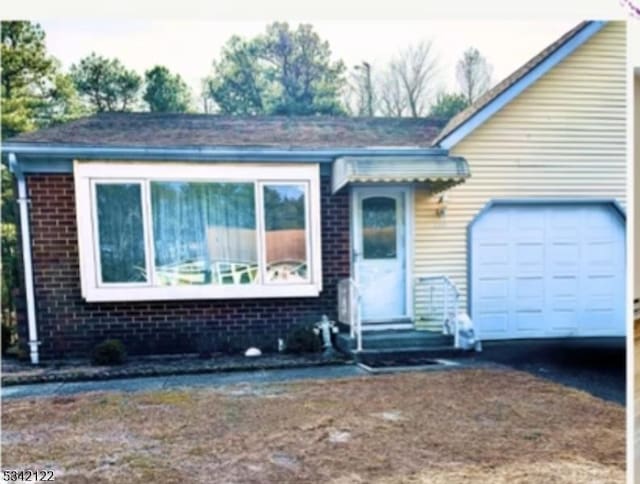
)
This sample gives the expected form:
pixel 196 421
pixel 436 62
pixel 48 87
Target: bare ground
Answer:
pixel 473 426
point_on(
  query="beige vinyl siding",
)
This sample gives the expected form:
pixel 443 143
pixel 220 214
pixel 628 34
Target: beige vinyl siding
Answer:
pixel 563 137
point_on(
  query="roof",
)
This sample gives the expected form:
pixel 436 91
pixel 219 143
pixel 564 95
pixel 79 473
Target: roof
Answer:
pixel 519 80
pixel 173 130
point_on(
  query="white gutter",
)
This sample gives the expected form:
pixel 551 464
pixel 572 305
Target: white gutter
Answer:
pixel 256 154
pixel 23 202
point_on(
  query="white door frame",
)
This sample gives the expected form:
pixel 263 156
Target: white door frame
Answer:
pixel 408 193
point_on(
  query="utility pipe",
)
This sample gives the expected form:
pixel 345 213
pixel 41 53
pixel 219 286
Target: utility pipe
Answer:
pixel 23 202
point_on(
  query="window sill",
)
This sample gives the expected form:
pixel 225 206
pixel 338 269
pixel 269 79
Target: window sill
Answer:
pixel 177 293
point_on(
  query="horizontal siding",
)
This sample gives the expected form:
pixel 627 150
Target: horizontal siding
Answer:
pixel 563 137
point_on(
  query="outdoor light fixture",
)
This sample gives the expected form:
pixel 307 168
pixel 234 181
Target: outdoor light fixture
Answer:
pixel 441 207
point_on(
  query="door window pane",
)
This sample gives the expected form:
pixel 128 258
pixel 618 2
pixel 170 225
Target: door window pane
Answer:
pixel 286 235
pixel 120 232
pixel 379 228
pixel 204 233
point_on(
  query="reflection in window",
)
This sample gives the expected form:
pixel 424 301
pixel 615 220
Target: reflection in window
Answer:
pixel 379 228
pixel 204 233
pixel 285 238
pixel 120 231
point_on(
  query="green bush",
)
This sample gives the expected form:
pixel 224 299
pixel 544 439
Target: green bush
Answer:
pixel 6 338
pixel 109 352
pixel 303 339
pixel 22 351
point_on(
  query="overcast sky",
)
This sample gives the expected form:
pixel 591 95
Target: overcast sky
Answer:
pixel 188 47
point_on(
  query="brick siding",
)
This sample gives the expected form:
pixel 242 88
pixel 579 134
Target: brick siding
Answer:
pixel 70 326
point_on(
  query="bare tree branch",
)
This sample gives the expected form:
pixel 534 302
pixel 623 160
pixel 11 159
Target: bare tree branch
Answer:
pixel 404 88
pixel 415 69
pixel 361 96
pixel 474 74
pixel 393 102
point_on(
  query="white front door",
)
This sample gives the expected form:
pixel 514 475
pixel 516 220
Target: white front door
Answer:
pixel 380 252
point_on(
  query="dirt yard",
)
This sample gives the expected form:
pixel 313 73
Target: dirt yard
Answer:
pixel 473 426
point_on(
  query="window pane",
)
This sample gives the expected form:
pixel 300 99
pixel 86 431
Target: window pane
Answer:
pixel 286 237
pixel 121 234
pixel 379 228
pixel 204 233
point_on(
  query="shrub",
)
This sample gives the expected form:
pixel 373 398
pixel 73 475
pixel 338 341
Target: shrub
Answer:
pixel 303 339
pixel 7 332
pixel 22 351
pixel 109 352
pixel 205 346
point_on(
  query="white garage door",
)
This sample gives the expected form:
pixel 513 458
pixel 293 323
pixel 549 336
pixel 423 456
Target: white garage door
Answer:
pixel 548 270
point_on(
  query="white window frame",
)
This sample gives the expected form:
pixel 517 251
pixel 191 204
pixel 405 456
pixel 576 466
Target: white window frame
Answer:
pixel 88 173
pixel 96 236
pixel 263 233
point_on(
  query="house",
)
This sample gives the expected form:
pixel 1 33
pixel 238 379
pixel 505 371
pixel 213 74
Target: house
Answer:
pixel 173 232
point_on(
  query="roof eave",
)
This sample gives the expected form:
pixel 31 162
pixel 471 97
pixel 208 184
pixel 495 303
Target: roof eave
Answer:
pixel 30 154
pixel 449 139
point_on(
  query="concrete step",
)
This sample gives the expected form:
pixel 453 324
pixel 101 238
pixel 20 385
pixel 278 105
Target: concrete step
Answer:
pixel 399 340
pixel 372 357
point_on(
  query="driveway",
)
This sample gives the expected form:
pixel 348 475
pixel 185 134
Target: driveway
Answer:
pixel 596 367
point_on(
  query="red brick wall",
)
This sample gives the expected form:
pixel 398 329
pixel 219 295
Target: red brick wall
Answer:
pixel 69 326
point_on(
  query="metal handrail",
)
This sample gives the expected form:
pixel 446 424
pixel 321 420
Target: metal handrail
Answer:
pixel 450 315
pixel 351 313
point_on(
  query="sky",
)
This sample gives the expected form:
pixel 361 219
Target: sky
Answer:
pixel 189 47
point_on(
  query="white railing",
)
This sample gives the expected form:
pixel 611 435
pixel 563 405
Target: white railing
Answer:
pixel 437 302
pixel 349 309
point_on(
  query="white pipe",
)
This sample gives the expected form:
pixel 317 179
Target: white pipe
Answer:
pixel 25 233
pixel 358 318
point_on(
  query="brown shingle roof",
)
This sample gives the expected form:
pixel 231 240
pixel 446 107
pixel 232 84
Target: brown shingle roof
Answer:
pixel 200 130
pixel 499 88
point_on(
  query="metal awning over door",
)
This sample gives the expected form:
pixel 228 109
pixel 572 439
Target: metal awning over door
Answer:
pixel 440 171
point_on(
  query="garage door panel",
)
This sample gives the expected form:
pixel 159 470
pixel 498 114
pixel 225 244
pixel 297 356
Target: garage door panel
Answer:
pixel 527 227
pixel 598 320
pixel 493 254
pixel 600 285
pixel 494 323
pixel 601 302
pixel 564 319
pixel 564 254
pixel 530 304
pixel 552 270
pixel 492 305
pixel 599 217
pixel 529 287
pixel 498 224
pixel 567 235
pixel 601 254
pixel 562 217
pixel 565 303
pixel 564 286
pixel 528 320
pixel 528 235
pixel 493 289
pixel 529 256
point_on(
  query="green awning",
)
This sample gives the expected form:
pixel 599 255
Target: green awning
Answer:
pixel 439 171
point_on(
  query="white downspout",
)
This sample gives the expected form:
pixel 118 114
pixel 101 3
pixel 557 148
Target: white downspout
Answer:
pixel 23 202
